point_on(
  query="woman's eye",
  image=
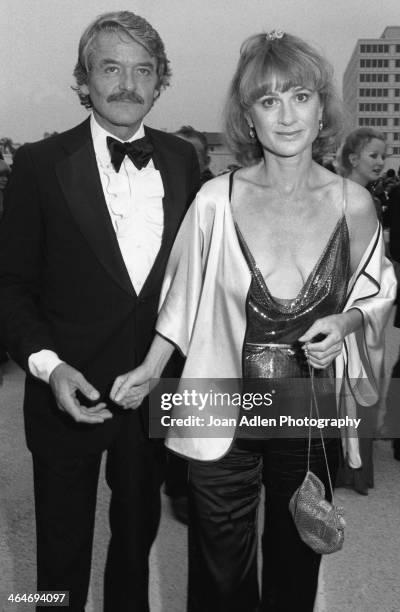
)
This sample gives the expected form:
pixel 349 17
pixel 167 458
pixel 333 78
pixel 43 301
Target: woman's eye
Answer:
pixel 111 69
pixel 302 97
pixel 268 102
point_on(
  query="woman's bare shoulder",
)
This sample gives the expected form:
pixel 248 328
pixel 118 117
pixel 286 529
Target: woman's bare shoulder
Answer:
pixel 358 199
pixel 360 212
pixel 361 220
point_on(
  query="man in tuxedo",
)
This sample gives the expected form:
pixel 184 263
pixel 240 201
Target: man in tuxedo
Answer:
pixel 91 215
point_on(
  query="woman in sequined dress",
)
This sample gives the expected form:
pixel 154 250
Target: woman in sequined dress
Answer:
pixel 261 284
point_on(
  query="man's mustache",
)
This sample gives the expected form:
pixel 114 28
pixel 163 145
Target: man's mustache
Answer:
pixel 126 96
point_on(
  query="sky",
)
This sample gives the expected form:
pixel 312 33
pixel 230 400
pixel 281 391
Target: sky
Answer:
pixel 39 41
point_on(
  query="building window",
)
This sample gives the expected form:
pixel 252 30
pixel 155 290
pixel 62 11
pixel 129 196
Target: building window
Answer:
pixel 397 63
pixel 374 48
pixel 396 136
pixel 374 93
pixel 397 92
pixel 372 121
pixel 396 151
pixel 397 48
pixel 396 108
pixel 396 121
pixel 397 78
pixel 366 77
pixel 372 107
pixel 374 63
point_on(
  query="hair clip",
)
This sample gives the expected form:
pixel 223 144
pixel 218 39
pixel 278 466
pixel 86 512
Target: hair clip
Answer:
pixel 274 35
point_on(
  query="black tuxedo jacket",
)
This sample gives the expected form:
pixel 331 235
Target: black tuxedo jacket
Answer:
pixel 63 282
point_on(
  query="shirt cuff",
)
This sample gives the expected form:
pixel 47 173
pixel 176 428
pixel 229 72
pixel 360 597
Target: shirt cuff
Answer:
pixel 42 364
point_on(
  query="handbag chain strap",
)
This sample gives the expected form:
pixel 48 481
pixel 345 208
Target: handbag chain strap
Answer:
pixel 313 400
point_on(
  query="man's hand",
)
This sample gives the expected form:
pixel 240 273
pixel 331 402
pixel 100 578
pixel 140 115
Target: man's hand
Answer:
pixel 65 381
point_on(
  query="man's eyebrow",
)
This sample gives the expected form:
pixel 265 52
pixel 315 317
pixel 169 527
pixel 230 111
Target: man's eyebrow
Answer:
pixel 110 60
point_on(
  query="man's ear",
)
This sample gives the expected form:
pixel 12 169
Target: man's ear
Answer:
pixel 84 89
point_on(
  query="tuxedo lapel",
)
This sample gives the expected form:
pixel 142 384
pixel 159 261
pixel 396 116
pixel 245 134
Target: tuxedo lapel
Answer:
pixel 80 182
pixel 169 164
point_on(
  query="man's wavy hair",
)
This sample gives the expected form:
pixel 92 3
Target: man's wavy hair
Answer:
pixel 354 144
pixel 126 23
pixel 278 64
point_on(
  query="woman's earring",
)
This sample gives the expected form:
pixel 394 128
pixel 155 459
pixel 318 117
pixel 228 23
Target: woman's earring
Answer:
pixel 252 131
pixel 320 125
pixel 353 159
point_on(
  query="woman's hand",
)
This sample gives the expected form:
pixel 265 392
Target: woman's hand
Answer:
pixel 333 329
pixel 130 389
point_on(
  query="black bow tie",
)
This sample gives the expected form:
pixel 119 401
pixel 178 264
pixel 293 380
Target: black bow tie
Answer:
pixel 139 151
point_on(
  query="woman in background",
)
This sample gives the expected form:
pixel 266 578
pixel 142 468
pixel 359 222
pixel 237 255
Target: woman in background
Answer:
pixel 362 160
pixel 257 287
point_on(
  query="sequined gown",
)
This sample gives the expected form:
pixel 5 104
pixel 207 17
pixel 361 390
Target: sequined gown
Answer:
pixel 271 349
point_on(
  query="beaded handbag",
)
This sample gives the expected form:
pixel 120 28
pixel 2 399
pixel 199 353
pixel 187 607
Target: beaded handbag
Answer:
pixel 319 522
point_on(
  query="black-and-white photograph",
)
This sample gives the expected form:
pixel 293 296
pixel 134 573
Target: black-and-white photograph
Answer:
pixel 199 320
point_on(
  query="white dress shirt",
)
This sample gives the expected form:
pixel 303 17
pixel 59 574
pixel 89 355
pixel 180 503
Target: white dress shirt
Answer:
pixel 134 202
